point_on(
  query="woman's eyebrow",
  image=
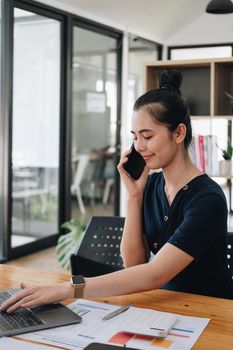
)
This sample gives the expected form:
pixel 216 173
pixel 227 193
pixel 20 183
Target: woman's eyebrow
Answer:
pixel 140 131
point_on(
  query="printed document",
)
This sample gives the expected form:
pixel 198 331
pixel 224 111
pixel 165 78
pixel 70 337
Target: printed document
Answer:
pixel 93 329
pixel 7 343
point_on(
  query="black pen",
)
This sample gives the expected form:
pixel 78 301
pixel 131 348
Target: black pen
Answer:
pixel 116 312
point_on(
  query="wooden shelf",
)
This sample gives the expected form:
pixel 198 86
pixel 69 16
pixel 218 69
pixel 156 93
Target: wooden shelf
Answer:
pixel 204 84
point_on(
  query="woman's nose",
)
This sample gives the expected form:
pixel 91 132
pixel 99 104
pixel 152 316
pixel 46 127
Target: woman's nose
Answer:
pixel 139 146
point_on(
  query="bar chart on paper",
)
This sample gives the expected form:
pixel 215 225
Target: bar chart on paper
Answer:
pixel 182 336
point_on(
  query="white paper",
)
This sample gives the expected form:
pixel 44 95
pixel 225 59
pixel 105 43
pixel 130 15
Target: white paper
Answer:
pixel 93 329
pixel 95 102
pixel 7 343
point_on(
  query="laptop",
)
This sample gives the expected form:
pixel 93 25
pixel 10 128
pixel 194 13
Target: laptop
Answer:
pixel 34 319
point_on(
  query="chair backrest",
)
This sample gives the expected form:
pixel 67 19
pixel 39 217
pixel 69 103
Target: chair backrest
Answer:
pixel 99 251
pixel 92 184
pixel 230 253
pixel 81 166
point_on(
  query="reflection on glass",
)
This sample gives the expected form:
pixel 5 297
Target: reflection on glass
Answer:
pixel 35 144
pixel 140 52
pixel 94 123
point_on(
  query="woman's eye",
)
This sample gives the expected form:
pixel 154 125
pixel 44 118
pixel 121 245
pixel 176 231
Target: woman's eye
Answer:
pixel 147 137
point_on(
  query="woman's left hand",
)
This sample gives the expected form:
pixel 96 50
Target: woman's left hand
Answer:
pixel 33 295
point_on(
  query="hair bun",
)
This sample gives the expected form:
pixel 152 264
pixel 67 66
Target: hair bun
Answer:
pixel 170 80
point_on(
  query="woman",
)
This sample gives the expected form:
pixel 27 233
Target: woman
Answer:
pixel 179 214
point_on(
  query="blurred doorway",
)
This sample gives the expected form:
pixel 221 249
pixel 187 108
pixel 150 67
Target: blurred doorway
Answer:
pixel 95 126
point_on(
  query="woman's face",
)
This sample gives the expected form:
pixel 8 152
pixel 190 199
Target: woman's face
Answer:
pixel 153 140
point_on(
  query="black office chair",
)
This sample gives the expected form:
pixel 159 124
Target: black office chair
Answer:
pixel 230 253
pixel 99 251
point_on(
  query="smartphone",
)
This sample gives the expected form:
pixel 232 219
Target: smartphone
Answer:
pixel 99 346
pixel 135 164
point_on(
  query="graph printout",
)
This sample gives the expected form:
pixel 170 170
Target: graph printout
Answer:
pixel 93 329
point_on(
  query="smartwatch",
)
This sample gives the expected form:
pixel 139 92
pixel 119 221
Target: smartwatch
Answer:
pixel 78 283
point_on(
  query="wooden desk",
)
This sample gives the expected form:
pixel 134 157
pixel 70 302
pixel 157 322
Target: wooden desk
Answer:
pixel 218 334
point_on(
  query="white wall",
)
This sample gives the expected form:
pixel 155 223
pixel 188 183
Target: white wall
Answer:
pixel 207 29
pixel 158 20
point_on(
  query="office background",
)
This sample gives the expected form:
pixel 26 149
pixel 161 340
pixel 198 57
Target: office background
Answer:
pixel 70 71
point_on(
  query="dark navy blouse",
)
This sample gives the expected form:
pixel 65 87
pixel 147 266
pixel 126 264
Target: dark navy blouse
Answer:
pixel 196 222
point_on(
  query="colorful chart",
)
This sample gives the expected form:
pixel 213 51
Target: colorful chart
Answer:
pixel 122 338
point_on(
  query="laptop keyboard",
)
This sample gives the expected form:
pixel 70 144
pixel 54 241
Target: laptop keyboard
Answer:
pixel 22 318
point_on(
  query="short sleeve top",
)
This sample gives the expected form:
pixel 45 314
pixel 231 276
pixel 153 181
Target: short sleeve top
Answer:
pixel 195 222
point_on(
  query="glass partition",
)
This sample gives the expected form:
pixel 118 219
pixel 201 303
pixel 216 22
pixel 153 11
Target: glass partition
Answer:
pixel 94 123
pixel 141 51
pixel 36 121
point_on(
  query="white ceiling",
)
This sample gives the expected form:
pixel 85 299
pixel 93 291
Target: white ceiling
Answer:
pixel 155 19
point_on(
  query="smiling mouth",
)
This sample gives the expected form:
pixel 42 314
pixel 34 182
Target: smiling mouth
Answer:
pixel 147 157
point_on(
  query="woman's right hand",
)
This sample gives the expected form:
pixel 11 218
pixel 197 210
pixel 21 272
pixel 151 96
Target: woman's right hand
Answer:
pixel 134 187
pixel 32 295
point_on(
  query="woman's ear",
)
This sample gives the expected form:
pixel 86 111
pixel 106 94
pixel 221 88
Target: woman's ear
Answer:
pixel 180 133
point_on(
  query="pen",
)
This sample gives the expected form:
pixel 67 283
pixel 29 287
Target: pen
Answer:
pixel 116 312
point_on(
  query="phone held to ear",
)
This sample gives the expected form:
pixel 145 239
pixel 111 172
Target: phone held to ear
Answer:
pixel 135 164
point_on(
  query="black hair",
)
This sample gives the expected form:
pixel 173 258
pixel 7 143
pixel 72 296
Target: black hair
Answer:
pixel 166 104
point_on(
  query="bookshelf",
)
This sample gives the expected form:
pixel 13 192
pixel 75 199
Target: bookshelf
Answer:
pixel 204 84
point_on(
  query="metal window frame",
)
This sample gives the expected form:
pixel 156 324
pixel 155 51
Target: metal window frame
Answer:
pixel 68 21
pixel 6 184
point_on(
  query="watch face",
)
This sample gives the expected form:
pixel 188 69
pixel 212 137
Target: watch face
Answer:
pixel 78 279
